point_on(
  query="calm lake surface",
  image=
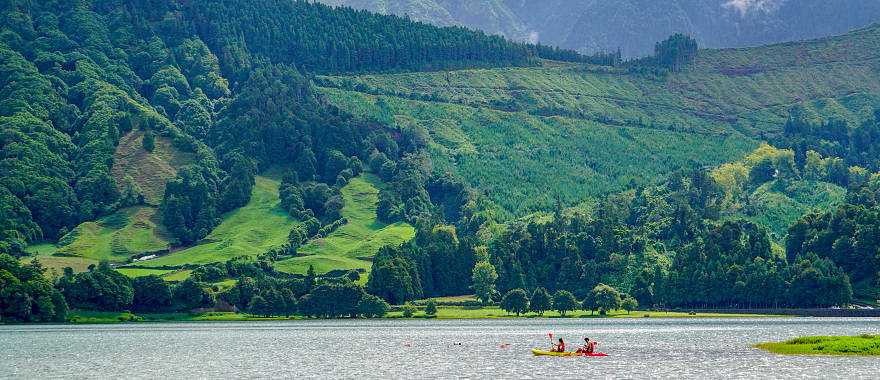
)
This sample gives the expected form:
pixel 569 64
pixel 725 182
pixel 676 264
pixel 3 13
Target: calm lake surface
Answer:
pixel 639 348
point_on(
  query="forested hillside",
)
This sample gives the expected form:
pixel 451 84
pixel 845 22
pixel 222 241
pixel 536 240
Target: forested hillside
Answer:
pixel 586 131
pixel 591 26
pixel 286 157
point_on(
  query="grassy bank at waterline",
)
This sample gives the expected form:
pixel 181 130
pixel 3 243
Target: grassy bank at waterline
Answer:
pixel 862 345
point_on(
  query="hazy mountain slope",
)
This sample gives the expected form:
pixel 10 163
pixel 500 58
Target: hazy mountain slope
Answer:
pixel 635 25
pixel 417 10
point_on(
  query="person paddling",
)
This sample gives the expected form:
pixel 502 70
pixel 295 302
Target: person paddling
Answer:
pixel 559 347
pixel 588 348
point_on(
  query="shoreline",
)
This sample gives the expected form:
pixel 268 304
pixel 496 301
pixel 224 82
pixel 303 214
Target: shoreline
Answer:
pixel 443 313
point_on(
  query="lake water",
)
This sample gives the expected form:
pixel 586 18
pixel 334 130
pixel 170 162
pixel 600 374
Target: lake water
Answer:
pixel 639 348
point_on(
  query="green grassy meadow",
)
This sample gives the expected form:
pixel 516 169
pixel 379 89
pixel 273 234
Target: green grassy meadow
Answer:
pixel 863 345
pixel 114 238
pixel 354 244
pixel 117 237
pixel 167 274
pixel 56 264
pixel 248 231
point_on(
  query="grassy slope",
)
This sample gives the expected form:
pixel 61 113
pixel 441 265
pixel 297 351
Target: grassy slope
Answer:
pixel 167 274
pixel 863 345
pixel 352 245
pixel 128 232
pixel 248 231
pixel 708 114
pixel 149 170
pixel 115 238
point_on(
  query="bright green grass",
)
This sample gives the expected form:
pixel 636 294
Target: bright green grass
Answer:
pixel 178 275
pixel 140 272
pixel 363 235
pixel 55 264
pixel 321 263
pixel 117 237
pixel 352 245
pixel 42 249
pixel 863 345
pixel 248 231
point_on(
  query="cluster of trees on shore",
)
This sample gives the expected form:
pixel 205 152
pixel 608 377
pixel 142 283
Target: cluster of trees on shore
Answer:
pixel 666 245
pixel 28 295
pixel 602 298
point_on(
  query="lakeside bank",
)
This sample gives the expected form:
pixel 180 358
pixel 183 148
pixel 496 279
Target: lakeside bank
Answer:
pixel 861 345
pixel 443 313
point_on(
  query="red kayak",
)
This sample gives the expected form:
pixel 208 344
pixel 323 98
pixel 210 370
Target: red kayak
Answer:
pixel 596 354
pixel 538 352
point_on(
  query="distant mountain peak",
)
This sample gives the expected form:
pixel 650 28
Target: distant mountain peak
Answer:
pixel 745 7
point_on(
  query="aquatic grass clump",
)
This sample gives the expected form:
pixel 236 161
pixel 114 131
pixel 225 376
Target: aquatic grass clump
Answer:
pixel 861 345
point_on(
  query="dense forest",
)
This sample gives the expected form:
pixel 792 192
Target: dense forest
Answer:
pixel 667 246
pixel 321 39
pixel 229 85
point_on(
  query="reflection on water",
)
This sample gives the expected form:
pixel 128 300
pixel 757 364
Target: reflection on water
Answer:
pixel 639 348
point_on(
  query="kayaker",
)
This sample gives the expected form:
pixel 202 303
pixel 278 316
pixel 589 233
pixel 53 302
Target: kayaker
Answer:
pixel 559 347
pixel 588 348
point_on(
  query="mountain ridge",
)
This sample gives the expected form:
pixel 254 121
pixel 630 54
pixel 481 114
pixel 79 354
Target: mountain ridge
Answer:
pixel 591 26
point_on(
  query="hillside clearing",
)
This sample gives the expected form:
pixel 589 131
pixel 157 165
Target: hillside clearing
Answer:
pixel 248 231
pixel 352 245
pixel 117 237
pixel 150 171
